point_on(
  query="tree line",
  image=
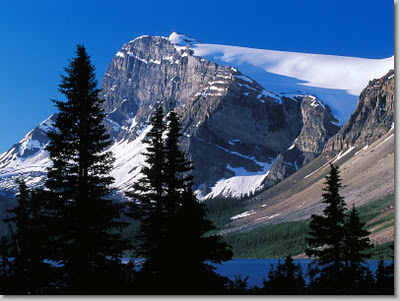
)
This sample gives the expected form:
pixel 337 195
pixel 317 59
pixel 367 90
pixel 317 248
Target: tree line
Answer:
pixel 339 245
pixel 66 237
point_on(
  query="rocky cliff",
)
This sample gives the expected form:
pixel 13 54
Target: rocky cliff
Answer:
pixel 318 125
pixel 233 126
pixel 238 134
pixel 373 117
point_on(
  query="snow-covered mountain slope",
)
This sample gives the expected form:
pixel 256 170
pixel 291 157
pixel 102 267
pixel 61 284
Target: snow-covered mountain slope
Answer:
pixel 27 159
pixel 238 132
pixel 338 80
pixel 241 184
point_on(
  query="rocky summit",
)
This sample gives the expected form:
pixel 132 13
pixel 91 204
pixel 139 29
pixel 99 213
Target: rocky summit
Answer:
pixel 238 134
pixel 373 117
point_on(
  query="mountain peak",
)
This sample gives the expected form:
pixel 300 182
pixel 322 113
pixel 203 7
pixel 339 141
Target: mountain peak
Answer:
pixel 182 39
pixel 139 37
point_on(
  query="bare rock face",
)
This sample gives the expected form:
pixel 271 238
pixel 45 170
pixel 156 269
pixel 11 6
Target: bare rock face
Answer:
pixel 229 120
pixel 373 117
pixel 146 72
pixel 233 127
pixel 227 117
pixel 318 125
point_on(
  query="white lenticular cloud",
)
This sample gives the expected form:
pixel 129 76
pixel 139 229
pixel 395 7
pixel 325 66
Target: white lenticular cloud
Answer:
pixel 316 70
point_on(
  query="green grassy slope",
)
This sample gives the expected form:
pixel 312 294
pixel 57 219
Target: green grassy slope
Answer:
pixel 280 240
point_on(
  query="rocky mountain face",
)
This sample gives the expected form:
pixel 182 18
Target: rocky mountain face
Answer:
pixel 373 117
pixel 318 127
pixel 238 134
pixel 233 126
pixel 363 149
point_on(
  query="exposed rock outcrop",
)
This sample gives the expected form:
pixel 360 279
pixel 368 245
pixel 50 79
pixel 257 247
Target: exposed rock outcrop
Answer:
pixel 373 117
pixel 318 125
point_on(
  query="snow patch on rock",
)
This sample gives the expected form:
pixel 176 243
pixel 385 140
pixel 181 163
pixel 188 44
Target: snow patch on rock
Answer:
pixel 242 183
pixel 244 214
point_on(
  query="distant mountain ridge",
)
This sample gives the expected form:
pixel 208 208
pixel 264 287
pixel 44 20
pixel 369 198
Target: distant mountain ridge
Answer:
pixel 238 134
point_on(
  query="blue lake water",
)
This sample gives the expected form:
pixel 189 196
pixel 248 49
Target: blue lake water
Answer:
pixel 257 269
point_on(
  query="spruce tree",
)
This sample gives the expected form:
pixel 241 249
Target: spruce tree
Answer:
pixel 19 225
pixel 148 201
pixel 239 286
pixel 29 272
pixel 83 214
pixel 384 279
pixel 180 260
pixel 325 240
pixel 5 266
pixel 188 227
pixel 287 278
pixel 356 246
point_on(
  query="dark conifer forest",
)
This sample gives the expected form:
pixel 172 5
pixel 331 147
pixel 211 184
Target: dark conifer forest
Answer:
pixel 67 238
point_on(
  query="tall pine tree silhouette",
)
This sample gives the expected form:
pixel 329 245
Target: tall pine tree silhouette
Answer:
pixel 356 246
pixel 79 183
pixel 191 249
pixel 325 241
pixel 287 278
pixel 178 260
pixel 6 272
pixel 384 276
pixel 29 272
pixel 19 228
pixel 148 205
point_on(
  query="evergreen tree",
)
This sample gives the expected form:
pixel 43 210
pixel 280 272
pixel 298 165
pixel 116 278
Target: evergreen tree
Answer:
pixel 367 283
pixel 239 286
pixel 384 279
pixel 390 268
pixel 287 278
pixel 28 271
pixel 148 205
pixel 356 246
pixel 381 274
pixel 187 224
pixel 177 169
pixel 19 226
pixel 168 207
pixel 5 267
pixel 83 214
pixel 195 250
pixel 325 241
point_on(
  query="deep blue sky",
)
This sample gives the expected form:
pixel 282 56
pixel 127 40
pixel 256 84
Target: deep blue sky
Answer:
pixel 38 37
